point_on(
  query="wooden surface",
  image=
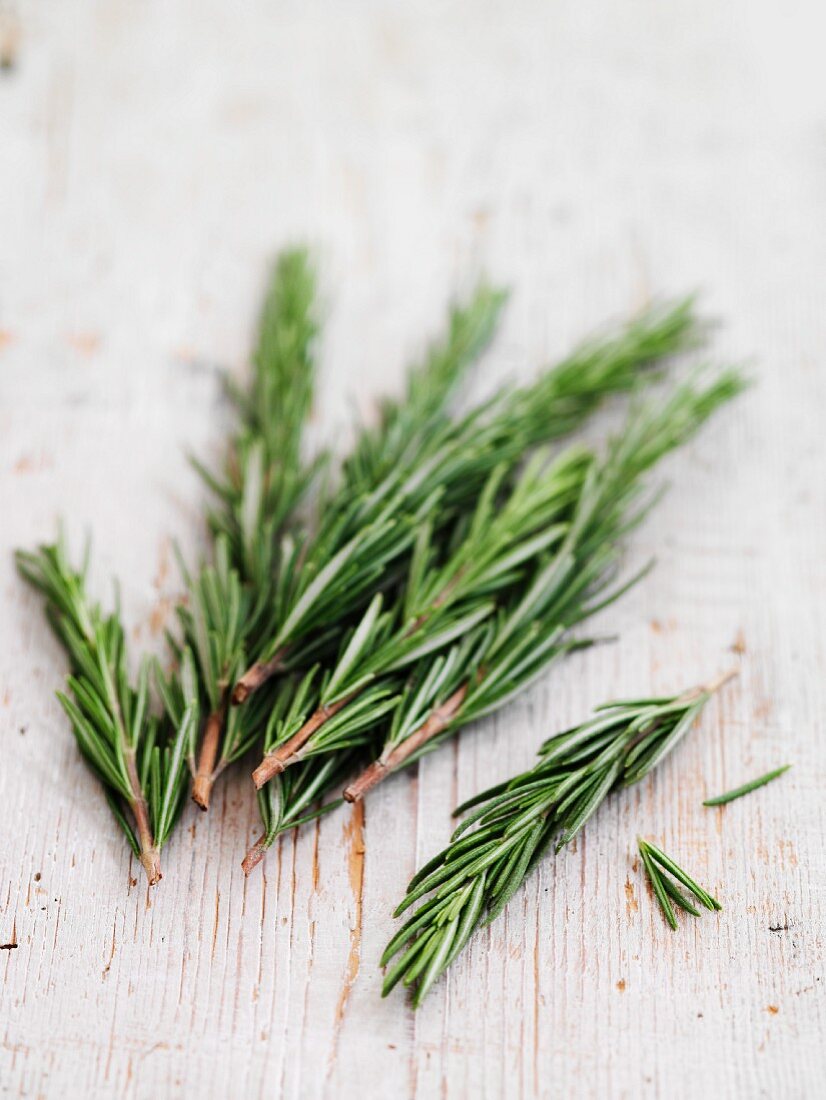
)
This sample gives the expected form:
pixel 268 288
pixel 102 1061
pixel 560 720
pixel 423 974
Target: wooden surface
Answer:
pixel 152 158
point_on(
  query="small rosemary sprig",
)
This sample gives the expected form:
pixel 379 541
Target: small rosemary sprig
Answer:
pixel 139 759
pixel 439 472
pixel 511 826
pixel 747 788
pixel 265 476
pixel 656 863
pixel 229 598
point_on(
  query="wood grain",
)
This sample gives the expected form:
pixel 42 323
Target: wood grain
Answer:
pixel 153 158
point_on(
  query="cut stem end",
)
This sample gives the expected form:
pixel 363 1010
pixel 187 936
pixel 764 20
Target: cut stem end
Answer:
pixel 289 752
pixel 269 767
pixel 256 676
pixel 721 680
pixel 151 863
pixel 369 778
pixel 255 855
pixel 201 790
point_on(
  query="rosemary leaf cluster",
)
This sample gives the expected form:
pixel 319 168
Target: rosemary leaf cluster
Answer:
pixel 414 546
pixel 263 561
pixel 510 827
pixel 662 871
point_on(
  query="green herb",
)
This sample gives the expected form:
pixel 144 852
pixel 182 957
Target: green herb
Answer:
pixel 265 477
pixel 559 401
pixel 368 521
pixel 231 602
pixel 447 594
pixel 571 579
pixel 738 792
pixel 511 523
pixel 139 759
pixel 664 889
pixel 438 469
pixel 511 825
pixel 229 599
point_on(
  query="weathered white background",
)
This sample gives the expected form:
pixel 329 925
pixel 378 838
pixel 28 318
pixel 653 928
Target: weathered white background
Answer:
pixel 153 156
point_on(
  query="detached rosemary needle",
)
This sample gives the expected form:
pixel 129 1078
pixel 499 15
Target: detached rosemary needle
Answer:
pixel 656 863
pixel 747 788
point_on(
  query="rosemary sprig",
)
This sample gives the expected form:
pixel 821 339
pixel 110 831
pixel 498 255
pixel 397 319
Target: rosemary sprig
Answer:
pixel 571 581
pixel 264 480
pixel 437 473
pixel 139 760
pixel 747 788
pixel 265 477
pixel 664 889
pixel 512 824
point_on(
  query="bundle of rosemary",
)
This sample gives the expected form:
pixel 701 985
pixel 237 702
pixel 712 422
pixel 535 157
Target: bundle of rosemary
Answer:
pixel 416 465
pixel 439 575
pixel 536 557
pixel 511 826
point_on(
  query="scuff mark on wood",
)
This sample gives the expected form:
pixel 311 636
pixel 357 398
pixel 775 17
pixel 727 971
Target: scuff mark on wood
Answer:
pixel 215 923
pixel 631 903
pixel 112 949
pixel 354 833
pixel 87 343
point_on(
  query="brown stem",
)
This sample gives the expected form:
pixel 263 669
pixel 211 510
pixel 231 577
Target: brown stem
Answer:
pixel 256 675
pixel 711 687
pixel 255 854
pixel 720 680
pixel 149 855
pixel 369 778
pixel 206 774
pixel 438 720
pixel 286 754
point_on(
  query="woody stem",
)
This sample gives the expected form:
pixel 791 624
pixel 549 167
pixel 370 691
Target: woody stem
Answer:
pixel 439 719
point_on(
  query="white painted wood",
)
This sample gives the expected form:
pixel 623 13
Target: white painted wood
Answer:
pixel 152 158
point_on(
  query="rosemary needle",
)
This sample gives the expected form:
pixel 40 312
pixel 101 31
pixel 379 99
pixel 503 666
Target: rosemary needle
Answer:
pixel 665 890
pixel 747 788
